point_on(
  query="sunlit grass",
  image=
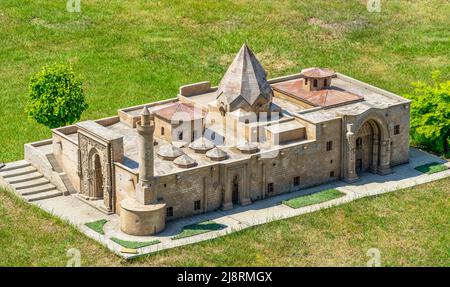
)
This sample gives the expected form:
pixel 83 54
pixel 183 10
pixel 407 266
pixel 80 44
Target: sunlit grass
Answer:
pixel 315 198
pixel 198 228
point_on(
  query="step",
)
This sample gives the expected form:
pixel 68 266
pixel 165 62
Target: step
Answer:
pixel 43 195
pixel 17 172
pixel 23 178
pixel 30 183
pixel 15 165
pixel 36 189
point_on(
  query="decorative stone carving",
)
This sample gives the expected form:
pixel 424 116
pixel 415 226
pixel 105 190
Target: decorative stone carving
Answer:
pixel 101 145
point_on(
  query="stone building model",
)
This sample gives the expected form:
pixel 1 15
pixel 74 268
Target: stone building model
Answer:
pixel 220 147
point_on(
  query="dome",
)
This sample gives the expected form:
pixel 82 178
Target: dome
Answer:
pixel 248 147
pixel 185 161
pixel 201 145
pixel 169 152
pixel 216 154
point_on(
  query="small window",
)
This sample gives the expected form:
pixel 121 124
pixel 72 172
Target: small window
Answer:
pixel 270 187
pixel 331 161
pixel 325 82
pixel 296 180
pixel 331 173
pixel 197 205
pixel 396 129
pixel 180 136
pixel 162 131
pixel 329 145
pixel 213 136
pixel 247 121
pixel 169 211
pixel 315 83
pixel 306 81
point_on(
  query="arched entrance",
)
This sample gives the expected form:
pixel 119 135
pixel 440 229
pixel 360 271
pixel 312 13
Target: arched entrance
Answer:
pixel 96 180
pixel 367 147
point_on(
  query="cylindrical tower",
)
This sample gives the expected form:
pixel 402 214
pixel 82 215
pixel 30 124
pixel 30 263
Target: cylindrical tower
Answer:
pixel 145 193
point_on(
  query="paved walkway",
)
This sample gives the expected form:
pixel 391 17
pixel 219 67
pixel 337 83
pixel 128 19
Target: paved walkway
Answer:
pixel 263 211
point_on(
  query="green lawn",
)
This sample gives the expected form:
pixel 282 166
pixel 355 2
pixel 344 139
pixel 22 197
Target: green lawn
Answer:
pixel 198 228
pixel 133 244
pixel 431 168
pixel 409 227
pixel 315 198
pixel 97 226
pixel 133 52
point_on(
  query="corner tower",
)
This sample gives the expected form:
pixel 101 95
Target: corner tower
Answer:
pixel 143 214
pixel 145 194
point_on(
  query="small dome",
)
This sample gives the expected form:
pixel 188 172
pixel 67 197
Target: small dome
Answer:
pixel 248 147
pixel 216 154
pixel 169 152
pixel 201 145
pixel 185 161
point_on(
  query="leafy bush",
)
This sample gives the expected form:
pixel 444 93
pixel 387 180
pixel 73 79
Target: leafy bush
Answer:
pixel 56 96
pixel 430 114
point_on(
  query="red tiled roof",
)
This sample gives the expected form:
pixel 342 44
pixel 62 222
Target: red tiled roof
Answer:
pixel 317 73
pixel 180 111
pixel 324 98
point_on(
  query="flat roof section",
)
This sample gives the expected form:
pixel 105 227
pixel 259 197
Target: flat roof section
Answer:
pixel 329 97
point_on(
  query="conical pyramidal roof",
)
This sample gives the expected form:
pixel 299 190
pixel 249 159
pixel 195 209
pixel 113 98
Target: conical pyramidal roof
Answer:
pixel 244 84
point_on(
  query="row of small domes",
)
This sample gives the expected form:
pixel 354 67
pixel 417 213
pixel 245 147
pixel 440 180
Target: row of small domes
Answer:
pixel 201 145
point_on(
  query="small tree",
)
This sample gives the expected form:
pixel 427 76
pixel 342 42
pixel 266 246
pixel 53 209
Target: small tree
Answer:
pixel 430 114
pixel 56 96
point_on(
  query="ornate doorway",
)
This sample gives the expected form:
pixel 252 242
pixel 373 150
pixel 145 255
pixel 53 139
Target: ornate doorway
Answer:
pixel 365 151
pixel 97 180
pixel 368 145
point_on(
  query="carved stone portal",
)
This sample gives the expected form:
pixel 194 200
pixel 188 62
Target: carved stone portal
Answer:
pixel 96 170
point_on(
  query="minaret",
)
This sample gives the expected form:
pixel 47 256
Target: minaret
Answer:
pixel 145 193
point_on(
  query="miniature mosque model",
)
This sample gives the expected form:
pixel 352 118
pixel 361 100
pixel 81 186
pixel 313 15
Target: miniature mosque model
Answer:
pixel 213 148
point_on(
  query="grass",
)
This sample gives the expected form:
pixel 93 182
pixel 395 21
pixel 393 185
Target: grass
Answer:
pixel 314 198
pixel 198 228
pixel 431 168
pixel 134 52
pixel 97 226
pixel 410 227
pixel 133 244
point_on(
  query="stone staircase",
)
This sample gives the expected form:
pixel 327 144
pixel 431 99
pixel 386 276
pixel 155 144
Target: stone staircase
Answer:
pixel 27 181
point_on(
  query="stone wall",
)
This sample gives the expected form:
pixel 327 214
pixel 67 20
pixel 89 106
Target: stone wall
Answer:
pixel 66 154
pixel 399 115
pixel 125 184
pixel 181 190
